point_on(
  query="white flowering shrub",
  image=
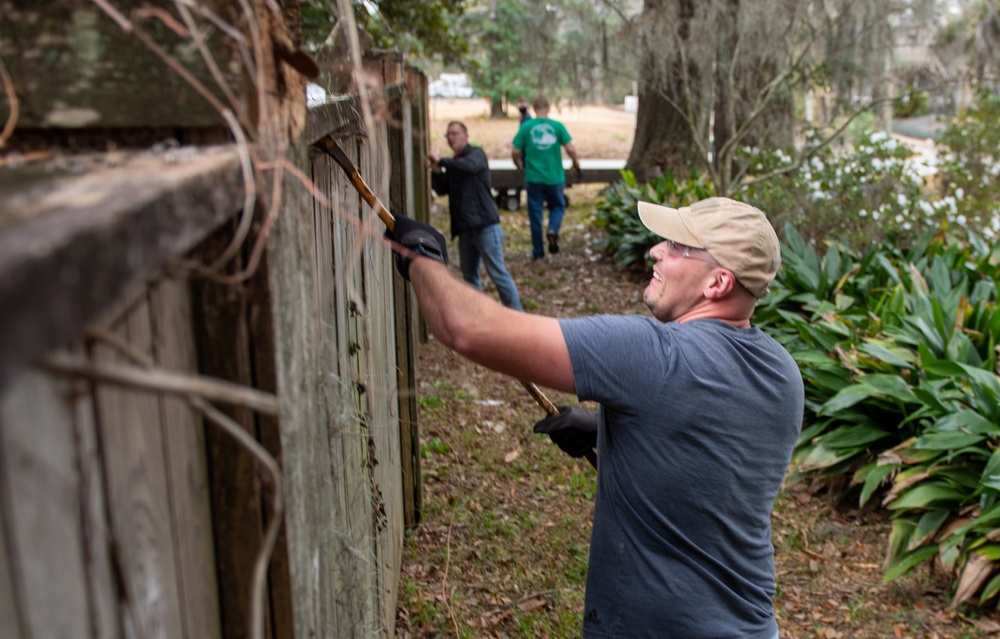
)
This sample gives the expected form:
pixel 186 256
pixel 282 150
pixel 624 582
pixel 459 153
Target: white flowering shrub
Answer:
pixel 969 166
pixel 871 191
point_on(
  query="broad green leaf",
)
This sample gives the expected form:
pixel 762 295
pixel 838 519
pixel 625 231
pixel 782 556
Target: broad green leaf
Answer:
pixel 990 590
pixel 817 337
pixel 929 524
pixel 809 432
pixel 927 332
pixel 961 475
pixel 843 302
pixel 926 495
pixel 986 379
pixel 907 454
pixel 851 436
pixel 901 357
pixel 951 550
pixel 822 457
pixel 814 358
pixel 847 397
pixel 967 420
pixel 990 551
pixel 831 381
pixel 831 261
pixel 991 472
pixel 987 520
pixel 900 534
pixel 835 326
pixel 891 386
pixel 982 292
pixel 904 563
pixel 874 480
pixel 946 440
pixel 930 399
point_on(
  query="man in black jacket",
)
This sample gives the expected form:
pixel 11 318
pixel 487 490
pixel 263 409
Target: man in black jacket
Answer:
pixel 465 179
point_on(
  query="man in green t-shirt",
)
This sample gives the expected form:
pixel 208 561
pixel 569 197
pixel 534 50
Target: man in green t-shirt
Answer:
pixel 538 151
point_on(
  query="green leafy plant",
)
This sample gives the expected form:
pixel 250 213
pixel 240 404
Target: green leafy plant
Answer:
pixel 913 102
pixel 898 350
pixel 434 446
pixel 430 401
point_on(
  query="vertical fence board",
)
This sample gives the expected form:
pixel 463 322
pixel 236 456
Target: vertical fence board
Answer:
pixel 384 429
pixel 349 428
pixel 10 624
pixel 234 491
pixel 105 620
pixel 406 171
pixel 329 355
pixel 41 507
pixel 356 549
pixel 184 450
pixel 308 466
pixel 260 321
pixel 137 492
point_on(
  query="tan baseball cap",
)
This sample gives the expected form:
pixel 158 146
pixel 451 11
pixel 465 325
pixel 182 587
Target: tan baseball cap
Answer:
pixel 737 235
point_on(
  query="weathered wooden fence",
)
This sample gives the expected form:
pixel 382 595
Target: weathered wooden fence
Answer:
pixel 128 508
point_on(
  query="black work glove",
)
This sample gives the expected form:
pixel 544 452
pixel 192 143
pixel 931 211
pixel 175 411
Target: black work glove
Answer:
pixel 573 429
pixel 420 238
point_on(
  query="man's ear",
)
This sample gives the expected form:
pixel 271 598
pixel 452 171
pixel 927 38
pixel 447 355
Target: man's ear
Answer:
pixel 721 283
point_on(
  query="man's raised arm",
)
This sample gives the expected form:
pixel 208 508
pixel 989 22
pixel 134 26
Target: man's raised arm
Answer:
pixel 528 347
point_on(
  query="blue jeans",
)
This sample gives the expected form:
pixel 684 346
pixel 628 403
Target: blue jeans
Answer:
pixel 486 245
pixel 539 194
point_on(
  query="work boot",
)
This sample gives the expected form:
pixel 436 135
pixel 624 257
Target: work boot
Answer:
pixel 553 241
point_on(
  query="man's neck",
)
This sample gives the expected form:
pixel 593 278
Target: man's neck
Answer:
pixel 732 314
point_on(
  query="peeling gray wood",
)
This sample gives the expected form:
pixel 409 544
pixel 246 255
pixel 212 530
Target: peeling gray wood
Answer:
pixel 343 114
pixel 309 517
pixel 101 591
pixel 185 465
pixel 10 624
pixel 77 233
pixel 138 500
pixel 39 490
pixel 73 66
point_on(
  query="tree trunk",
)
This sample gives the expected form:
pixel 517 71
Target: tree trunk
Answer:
pixel 662 139
pixel 726 107
pixel 496 108
pixel 663 136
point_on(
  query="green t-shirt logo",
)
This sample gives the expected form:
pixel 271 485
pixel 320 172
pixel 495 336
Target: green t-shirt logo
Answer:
pixel 543 136
pixel 540 141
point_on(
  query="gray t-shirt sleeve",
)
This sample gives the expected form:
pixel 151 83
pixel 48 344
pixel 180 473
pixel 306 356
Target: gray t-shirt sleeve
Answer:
pixel 606 350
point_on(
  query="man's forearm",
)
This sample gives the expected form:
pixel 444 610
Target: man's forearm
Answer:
pixel 529 347
pixel 444 300
pixel 517 157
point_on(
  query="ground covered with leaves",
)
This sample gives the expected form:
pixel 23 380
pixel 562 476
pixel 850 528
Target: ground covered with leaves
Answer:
pixel 502 547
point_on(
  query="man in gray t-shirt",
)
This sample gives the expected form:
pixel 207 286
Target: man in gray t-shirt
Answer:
pixel 699 413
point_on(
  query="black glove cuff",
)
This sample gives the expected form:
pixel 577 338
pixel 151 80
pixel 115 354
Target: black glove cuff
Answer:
pixel 424 244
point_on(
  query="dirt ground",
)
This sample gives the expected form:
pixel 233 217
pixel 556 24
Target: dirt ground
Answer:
pixel 502 547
